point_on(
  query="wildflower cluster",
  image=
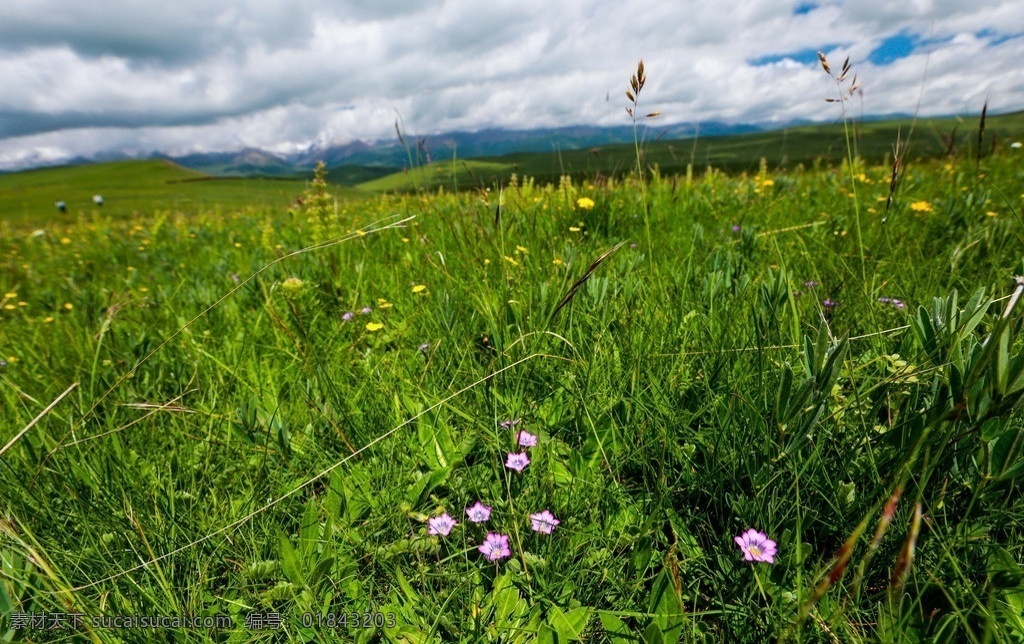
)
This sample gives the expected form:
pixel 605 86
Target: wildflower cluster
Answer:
pixel 496 545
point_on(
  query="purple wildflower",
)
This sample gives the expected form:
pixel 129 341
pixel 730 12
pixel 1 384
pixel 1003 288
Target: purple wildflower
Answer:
pixel 829 304
pixel 347 316
pixel 810 284
pixel 495 546
pixel 736 228
pixel 441 525
pixel 509 424
pixel 756 546
pixel 517 461
pixel 366 310
pixel 544 522
pixel 526 439
pixel 478 513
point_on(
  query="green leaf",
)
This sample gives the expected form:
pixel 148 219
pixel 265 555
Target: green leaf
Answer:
pixel 666 606
pixel 322 568
pixel 419 490
pixel 652 634
pixel 507 603
pixel 407 589
pixel 782 399
pixel 569 626
pixel 335 503
pixel 309 529
pixel 290 563
pixel 547 635
pixel 975 310
pixel 616 628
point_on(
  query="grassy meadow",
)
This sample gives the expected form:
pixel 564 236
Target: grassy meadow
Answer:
pixel 217 402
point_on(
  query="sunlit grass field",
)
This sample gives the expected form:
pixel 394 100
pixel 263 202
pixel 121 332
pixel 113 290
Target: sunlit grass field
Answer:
pixel 253 410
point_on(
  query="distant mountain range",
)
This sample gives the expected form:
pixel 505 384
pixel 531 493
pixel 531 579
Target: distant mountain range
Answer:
pixel 365 160
pixel 381 157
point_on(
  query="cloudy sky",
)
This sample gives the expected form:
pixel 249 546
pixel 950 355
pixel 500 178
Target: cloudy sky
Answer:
pixel 282 75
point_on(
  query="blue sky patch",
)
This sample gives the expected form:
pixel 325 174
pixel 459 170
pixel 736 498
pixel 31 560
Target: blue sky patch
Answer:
pixel 805 7
pixel 995 38
pixel 901 45
pixel 894 47
pixel 802 56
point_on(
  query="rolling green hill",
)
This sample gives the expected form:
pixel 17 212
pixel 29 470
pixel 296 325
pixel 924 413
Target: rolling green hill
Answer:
pixel 785 148
pixel 130 186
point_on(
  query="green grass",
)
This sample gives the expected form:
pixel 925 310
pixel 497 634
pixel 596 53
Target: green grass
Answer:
pixel 132 187
pixel 449 174
pixel 785 149
pixel 233 442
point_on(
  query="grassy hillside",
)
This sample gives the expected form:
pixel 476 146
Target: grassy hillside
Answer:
pixel 130 187
pixel 781 149
pixel 211 410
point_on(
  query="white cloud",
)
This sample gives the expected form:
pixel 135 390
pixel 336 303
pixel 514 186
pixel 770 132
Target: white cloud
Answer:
pixel 282 75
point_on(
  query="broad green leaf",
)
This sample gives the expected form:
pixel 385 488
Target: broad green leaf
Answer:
pixel 309 529
pixel 652 634
pixel 290 563
pixel 616 629
pixel 506 601
pixel 569 625
pixel 407 589
pixel 321 570
pixel 335 502
pixel 419 490
pixel 666 606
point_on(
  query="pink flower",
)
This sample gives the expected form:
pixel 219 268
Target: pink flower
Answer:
pixel 478 513
pixel 441 525
pixel 544 521
pixel 756 546
pixel 526 439
pixel 495 546
pixel 517 461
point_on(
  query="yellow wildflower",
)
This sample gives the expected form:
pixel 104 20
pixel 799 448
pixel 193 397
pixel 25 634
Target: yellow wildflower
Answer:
pixel 511 261
pixel 921 206
pixel 586 203
pixel 374 326
pixel 419 288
